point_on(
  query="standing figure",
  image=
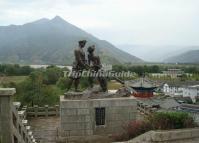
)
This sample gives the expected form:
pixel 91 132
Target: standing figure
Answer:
pixel 95 65
pixel 78 65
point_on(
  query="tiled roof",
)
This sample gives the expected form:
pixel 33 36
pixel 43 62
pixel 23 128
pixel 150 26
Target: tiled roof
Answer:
pixel 141 82
pixel 165 103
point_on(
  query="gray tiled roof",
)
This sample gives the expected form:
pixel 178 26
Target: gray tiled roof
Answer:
pixel 141 82
pixel 165 103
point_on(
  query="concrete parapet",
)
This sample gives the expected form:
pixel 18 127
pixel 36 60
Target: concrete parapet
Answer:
pixel 12 123
pixel 168 136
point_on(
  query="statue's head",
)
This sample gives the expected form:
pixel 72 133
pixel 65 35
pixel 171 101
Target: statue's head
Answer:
pixel 82 43
pixel 91 49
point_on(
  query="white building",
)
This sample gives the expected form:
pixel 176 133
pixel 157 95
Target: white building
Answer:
pixel 172 90
pixel 192 92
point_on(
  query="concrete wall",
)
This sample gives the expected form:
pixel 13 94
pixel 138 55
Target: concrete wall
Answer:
pixel 191 92
pixel 78 116
pixel 169 136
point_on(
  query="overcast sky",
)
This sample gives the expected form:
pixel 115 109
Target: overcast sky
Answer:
pixel 145 22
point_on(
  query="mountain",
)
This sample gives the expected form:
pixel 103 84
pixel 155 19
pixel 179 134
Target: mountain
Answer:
pixel 157 53
pixel 191 56
pixel 52 42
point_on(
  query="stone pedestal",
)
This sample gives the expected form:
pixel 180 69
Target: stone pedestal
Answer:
pixel 78 116
pixel 72 95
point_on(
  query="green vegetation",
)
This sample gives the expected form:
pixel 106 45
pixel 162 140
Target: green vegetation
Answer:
pixel 40 86
pixel 144 69
pixel 138 69
pixel 34 91
pixel 35 86
pixel 11 80
pixel 156 121
pixel 113 85
pixel 43 86
pixel 14 70
pixel 170 120
pixel 155 68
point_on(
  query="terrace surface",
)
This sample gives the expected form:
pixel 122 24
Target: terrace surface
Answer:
pixel 45 128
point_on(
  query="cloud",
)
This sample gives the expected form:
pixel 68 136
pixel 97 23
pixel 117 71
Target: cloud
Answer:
pixel 83 2
pixel 151 22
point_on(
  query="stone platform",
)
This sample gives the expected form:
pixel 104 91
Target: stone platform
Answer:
pixel 78 114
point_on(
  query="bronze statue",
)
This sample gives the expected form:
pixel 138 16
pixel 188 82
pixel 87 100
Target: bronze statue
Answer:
pixel 78 66
pixel 95 67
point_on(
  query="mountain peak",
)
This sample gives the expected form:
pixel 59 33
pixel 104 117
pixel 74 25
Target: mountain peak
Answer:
pixel 58 19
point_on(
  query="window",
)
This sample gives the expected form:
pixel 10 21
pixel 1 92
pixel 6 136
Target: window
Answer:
pixel 100 116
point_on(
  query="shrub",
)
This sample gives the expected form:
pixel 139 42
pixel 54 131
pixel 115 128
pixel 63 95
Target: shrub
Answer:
pixel 136 128
pixel 62 83
pixel 170 120
pixel 157 120
pixel 133 129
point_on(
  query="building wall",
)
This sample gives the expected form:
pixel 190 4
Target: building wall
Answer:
pixel 173 90
pixel 166 89
pixel 78 116
pixel 191 92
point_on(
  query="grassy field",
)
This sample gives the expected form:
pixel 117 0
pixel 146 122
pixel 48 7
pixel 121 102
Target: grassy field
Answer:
pixel 8 79
pixel 113 85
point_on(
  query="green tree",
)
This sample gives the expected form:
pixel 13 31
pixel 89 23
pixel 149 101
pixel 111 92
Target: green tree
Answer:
pixel 52 75
pixel 34 92
pixel 62 83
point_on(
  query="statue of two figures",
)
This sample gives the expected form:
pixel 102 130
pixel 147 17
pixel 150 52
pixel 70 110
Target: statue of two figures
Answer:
pixel 92 65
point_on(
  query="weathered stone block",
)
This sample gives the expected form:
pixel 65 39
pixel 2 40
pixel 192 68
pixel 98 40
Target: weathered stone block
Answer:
pixel 76 126
pixel 67 112
pixel 85 111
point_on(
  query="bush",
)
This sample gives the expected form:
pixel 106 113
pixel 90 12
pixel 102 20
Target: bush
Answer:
pixel 15 70
pixel 136 128
pixel 155 121
pixel 170 120
pixel 33 91
pixel 52 75
pixel 133 129
pixel 62 83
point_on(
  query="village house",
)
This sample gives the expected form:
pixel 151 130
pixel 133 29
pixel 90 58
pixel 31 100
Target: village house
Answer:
pixel 173 90
pixel 172 73
pixel 192 92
